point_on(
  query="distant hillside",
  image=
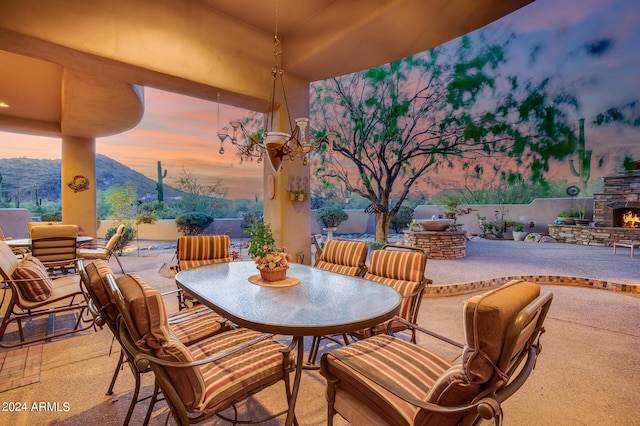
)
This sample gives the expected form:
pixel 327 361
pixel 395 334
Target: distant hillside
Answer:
pixel 24 175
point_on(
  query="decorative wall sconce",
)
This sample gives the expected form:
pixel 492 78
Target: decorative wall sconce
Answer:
pixel 79 183
pixel 298 188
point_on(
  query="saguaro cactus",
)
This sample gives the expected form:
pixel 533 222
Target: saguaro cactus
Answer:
pixel 159 184
pixel 583 171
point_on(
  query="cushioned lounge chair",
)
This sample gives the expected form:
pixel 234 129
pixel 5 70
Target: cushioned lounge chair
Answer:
pixel 34 294
pixel 93 251
pixel 387 380
pixel 203 379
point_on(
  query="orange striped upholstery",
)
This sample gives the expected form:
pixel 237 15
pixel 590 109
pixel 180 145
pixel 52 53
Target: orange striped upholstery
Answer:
pixel 189 325
pixel 196 323
pixel 402 270
pixel 423 374
pixel 344 257
pixel 213 386
pixel 415 369
pixel 32 280
pixel 199 250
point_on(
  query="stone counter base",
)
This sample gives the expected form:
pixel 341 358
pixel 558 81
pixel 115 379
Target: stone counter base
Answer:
pixel 438 244
pixel 592 236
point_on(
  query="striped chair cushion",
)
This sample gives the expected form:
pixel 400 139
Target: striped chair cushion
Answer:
pixel 405 288
pixel 193 324
pixel 39 287
pixel 386 358
pixel 97 272
pixel 188 264
pixel 486 319
pixel 188 326
pixel 402 270
pixel 352 271
pixel 147 310
pixel 344 257
pixel 216 385
pixel 398 265
pixel 244 371
pixel 199 250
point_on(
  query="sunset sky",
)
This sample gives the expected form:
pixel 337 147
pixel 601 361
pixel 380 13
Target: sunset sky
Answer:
pixel 591 46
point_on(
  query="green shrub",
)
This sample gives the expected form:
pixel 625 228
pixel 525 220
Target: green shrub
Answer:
pixel 128 236
pixel 193 223
pixel 251 218
pixel 331 217
pixel 51 217
pixel 402 218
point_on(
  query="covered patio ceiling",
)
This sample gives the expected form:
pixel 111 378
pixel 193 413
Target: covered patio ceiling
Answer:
pixel 71 69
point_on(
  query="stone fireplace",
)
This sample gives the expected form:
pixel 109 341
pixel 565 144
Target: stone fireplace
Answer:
pixel 620 199
pixel 616 214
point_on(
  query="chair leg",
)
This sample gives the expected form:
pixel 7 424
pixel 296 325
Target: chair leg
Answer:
pixel 120 264
pixel 134 398
pixel 313 350
pixel 152 403
pixel 115 373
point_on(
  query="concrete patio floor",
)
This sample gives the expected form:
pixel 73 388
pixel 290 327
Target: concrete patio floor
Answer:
pixel 588 372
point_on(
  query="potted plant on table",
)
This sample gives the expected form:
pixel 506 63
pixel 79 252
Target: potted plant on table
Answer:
pixel 272 262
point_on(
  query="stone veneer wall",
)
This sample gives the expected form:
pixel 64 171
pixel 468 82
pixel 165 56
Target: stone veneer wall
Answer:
pixel 592 236
pixel 621 191
pixel 438 245
pixel 457 289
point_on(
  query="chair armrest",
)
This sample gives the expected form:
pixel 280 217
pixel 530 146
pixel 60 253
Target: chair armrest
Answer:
pixel 142 360
pixel 413 326
pixel 93 246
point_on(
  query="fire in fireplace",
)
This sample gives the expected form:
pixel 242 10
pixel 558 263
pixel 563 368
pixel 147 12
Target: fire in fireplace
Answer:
pixel 630 219
pixel 627 217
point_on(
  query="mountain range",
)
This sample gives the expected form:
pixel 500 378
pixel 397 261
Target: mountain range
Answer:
pixel 24 176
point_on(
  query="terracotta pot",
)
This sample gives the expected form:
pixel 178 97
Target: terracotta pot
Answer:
pixel 275 274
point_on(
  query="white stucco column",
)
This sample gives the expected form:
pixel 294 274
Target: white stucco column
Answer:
pixel 78 174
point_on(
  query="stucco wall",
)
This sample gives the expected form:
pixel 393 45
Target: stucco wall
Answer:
pixel 13 222
pixel 540 212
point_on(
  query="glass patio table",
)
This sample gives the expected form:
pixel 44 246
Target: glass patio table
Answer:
pixel 321 303
pixel 26 242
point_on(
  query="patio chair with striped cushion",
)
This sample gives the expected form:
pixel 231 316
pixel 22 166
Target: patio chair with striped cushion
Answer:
pixel 400 267
pixel 203 379
pixel 199 250
pixel 35 298
pixel 387 380
pixel 344 257
pixel 189 325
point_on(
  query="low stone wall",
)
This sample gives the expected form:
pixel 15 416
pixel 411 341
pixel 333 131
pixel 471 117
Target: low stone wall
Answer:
pixel 592 236
pixel 438 245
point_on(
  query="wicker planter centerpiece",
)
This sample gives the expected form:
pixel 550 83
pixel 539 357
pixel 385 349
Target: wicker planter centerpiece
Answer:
pixel 274 274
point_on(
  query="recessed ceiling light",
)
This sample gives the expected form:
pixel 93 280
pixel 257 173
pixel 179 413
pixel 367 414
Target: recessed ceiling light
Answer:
pixel 4 105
